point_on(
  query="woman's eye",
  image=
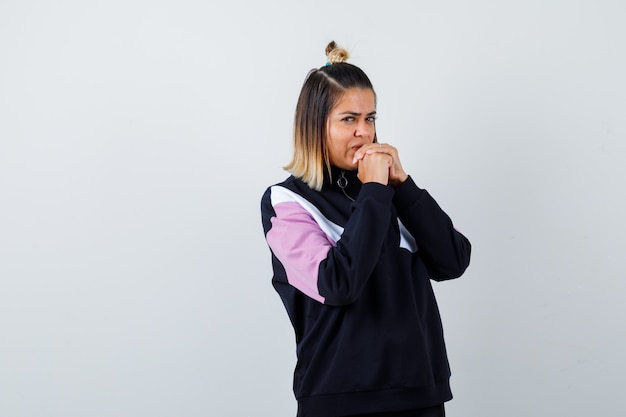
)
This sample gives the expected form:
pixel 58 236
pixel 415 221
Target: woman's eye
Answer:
pixel 371 119
pixel 348 119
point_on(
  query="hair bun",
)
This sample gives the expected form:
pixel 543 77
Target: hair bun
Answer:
pixel 336 54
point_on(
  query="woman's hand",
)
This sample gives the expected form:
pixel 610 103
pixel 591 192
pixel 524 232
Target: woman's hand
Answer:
pixel 374 168
pixel 396 174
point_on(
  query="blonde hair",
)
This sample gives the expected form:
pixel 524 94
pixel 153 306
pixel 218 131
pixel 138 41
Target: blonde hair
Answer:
pixel 322 89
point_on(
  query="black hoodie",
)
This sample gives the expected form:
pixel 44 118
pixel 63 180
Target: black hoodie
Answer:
pixel 354 277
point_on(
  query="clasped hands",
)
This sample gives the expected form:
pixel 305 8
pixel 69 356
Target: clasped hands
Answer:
pixel 379 162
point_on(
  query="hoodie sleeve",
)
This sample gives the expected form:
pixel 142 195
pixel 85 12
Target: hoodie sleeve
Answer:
pixel 444 249
pixel 326 262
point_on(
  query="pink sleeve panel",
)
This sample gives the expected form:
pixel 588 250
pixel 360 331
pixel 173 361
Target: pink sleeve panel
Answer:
pixel 300 244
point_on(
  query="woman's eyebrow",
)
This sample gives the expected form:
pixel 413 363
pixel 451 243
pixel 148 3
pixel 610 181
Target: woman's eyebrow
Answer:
pixel 353 113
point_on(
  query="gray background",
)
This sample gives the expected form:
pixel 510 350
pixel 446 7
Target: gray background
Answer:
pixel 138 136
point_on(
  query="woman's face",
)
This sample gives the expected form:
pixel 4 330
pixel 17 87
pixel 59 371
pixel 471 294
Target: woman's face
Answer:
pixel 351 124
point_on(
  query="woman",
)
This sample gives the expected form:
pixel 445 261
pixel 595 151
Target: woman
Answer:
pixel 354 245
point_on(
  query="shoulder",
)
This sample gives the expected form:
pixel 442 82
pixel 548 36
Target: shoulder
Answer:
pixel 285 191
pixel 291 186
pixel 294 203
pixel 287 198
pixel 292 190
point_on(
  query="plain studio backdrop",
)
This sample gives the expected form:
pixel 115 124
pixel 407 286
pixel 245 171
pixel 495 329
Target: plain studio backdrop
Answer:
pixel 136 139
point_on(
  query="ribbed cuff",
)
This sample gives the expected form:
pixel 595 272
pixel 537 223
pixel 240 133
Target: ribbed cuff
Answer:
pixel 407 194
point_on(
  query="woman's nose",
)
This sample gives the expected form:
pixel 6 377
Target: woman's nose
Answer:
pixel 362 129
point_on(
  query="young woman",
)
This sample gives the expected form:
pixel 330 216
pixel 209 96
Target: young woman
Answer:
pixel 355 244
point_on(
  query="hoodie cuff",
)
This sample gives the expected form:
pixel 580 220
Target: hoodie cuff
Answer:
pixel 376 190
pixel 407 194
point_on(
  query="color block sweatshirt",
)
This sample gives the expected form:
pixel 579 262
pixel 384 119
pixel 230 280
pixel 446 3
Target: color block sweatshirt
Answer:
pixel 355 279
